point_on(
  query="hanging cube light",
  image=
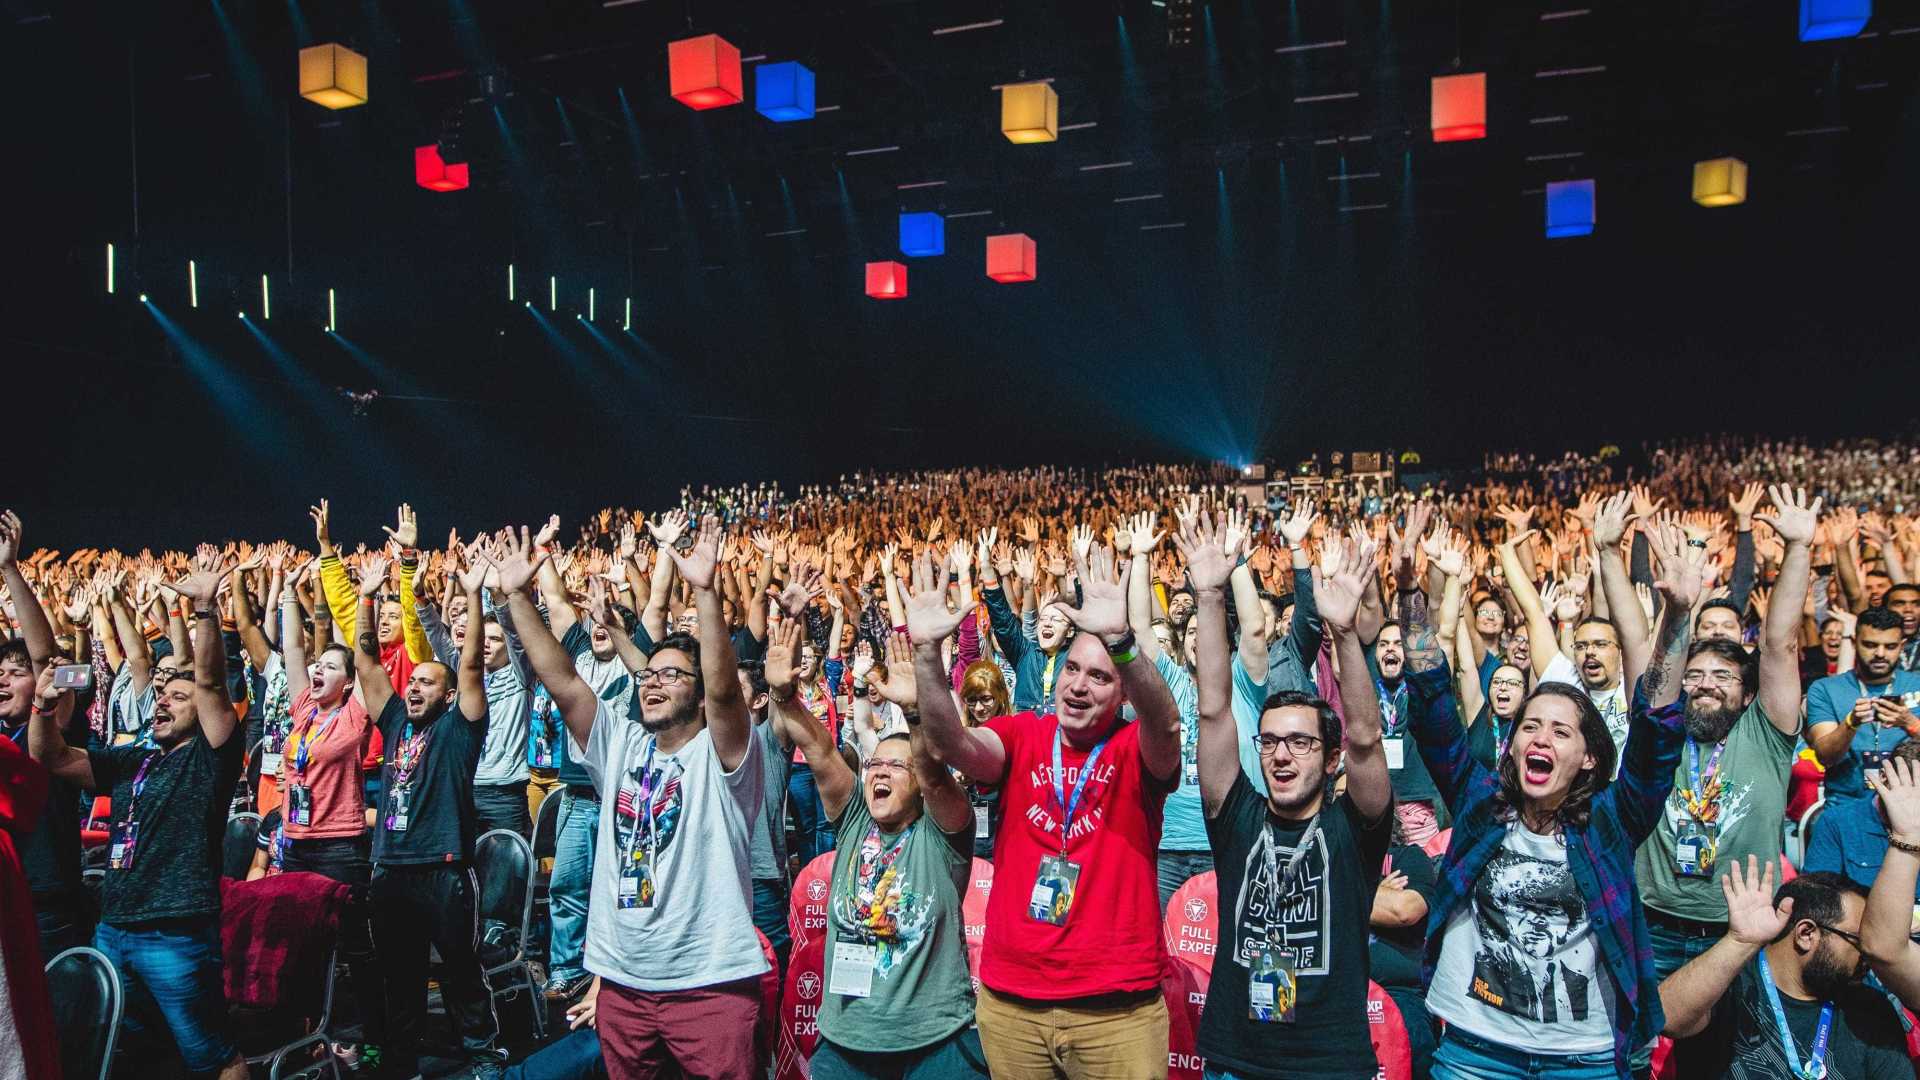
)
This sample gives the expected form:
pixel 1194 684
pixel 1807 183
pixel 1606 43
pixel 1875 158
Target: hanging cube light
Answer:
pixel 1029 112
pixel 1720 182
pixel 430 171
pixel 1570 208
pixel 783 92
pixel 704 72
pixel 886 280
pixel 1824 20
pixel 923 234
pixel 1459 107
pixel 333 75
pixel 1010 258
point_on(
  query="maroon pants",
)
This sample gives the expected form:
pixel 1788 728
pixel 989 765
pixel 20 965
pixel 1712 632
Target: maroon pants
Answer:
pixel 708 1033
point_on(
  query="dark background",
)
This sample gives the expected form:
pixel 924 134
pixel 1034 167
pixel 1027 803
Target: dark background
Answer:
pixel 1417 307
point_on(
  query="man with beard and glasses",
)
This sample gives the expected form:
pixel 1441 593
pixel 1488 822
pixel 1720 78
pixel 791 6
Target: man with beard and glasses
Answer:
pixel 1780 996
pixel 670 923
pixel 1855 719
pixel 1730 789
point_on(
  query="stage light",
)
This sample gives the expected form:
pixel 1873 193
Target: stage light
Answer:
pixel 143 298
pixel 241 314
pixel 334 76
pixel 783 92
pixel 1720 182
pixel 704 72
pixel 553 294
pixel 432 172
pixel 109 269
pixel 332 319
pixel 1571 208
pixel 266 299
pixel 886 280
pixel 529 303
pixel 1824 20
pixel 590 305
pixel 509 282
pixel 923 234
pixel 1011 258
pixel 628 323
pixel 1459 107
pixel 193 283
pixel 1029 112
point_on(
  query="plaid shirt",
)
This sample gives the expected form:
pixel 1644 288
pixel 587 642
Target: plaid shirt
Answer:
pixel 1599 855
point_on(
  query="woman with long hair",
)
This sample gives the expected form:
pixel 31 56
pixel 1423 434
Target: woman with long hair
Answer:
pixel 983 696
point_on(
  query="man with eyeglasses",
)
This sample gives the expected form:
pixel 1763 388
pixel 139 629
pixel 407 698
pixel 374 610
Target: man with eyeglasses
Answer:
pixel 1297 866
pixel 1780 996
pixel 1730 788
pixel 670 923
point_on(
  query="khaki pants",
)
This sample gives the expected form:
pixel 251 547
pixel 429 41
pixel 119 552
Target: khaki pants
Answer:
pixel 1123 1037
pixel 540 783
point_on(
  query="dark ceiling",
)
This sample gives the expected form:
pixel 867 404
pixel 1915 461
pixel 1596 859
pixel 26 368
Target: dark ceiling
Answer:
pixel 1247 243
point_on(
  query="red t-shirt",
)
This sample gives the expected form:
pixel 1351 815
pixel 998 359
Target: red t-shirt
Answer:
pixel 1112 940
pixel 333 766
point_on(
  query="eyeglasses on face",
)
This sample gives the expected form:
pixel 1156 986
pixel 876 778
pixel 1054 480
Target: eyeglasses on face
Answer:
pixel 665 676
pixel 876 764
pixel 1851 939
pixel 1511 684
pixel 1717 677
pixel 1298 745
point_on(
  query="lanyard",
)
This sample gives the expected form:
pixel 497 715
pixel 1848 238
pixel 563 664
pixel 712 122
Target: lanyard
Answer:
pixel 140 782
pixel 1703 796
pixel 1281 878
pixel 408 754
pixel 643 809
pixel 1046 677
pixel 1059 784
pixel 16 734
pixel 864 907
pixel 1816 1065
pixel 1389 707
pixel 305 737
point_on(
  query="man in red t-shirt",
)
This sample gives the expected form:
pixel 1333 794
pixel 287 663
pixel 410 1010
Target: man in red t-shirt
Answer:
pixel 1071 963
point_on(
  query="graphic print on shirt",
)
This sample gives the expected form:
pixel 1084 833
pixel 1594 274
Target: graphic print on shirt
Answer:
pixel 1045 812
pixel 1527 910
pixel 883 906
pixel 1300 915
pixel 630 818
pixel 543 730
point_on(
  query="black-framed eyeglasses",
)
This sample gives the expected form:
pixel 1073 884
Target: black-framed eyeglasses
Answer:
pixel 665 676
pixel 1297 744
pixel 1851 939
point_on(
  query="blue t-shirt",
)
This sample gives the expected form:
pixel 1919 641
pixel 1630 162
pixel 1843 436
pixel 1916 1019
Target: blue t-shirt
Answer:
pixel 1849 838
pixel 1184 821
pixel 1830 701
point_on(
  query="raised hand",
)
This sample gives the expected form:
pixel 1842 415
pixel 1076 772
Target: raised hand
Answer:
pixel 666 532
pixel 406 532
pixel 321 515
pixel 1103 595
pixel 1898 785
pixel 783 652
pixel 1611 519
pixel 1682 569
pixel 697 565
pixel 900 687
pixel 477 565
pixel 9 538
pixel 803 590
pixel 862 660
pixel 1743 502
pixel 202 584
pixel 1516 517
pixel 1200 542
pixel 373 575
pixel 1082 542
pixel 1751 917
pixel 929 620
pixel 517 560
pixel 547 532
pixel 1644 504
pixel 1298 523
pixel 1341 581
pixel 1793 517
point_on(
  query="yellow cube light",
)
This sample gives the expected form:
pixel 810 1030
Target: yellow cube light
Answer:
pixel 1720 182
pixel 1029 113
pixel 333 75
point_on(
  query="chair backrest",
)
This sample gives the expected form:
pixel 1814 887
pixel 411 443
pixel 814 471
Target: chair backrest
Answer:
pixel 252 781
pixel 236 850
pixel 86 997
pixel 102 810
pixel 503 867
pixel 546 826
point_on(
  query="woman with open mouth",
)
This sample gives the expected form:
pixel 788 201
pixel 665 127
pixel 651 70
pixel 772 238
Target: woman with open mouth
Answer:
pixel 1538 958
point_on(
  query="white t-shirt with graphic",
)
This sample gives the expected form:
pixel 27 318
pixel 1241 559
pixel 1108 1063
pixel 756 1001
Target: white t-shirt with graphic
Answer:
pixel 1519 965
pixel 698 929
pixel 1611 703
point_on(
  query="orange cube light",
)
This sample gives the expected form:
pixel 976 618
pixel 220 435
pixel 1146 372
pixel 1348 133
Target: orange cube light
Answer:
pixel 333 75
pixel 886 280
pixel 704 72
pixel 1011 258
pixel 1459 107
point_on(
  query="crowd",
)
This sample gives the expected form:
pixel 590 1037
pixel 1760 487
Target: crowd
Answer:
pixel 1527 752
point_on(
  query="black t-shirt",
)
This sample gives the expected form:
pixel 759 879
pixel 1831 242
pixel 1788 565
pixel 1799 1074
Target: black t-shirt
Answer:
pixel 182 823
pixel 439 788
pixel 1411 781
pixel 1323 917
pixel 1396 953
pixel 1742 1040
pixel 50 854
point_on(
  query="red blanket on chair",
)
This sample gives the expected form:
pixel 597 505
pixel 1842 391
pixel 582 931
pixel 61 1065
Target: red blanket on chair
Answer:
pixel 277 934
pixel 23 796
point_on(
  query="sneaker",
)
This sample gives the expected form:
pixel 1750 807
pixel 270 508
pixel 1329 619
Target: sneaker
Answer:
pixel 563 990
pixel 487 1065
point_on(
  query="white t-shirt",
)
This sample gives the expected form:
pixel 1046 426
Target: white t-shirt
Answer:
pixel 1611 703
pixel 698 930
pixel 863 737
pixel 1519 965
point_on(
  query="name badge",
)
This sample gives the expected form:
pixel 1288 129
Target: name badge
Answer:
pixel 853 964
pixel 398 810
pixel 1271 990
pixel 979 823
pixel 1396 751
pixel 120 845
pixel 636 885
pixel 1191 774
pixel 270 763
pixel 1694 847
pixel 299 805
pixel 1053 890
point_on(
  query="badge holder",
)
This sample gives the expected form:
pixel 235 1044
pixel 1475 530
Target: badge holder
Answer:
pixel 853 964
pixel 1396 747
pixel 398 810
pixel 636 886
pixel 1694 847
pixel 1053 890
pixel 299 805
pixel 120 845
pixel 1270 984
pixel 979 823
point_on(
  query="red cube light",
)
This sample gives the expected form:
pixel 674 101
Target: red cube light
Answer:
pixel 1010 258
pixel 886 280
pixel 704 72
pixel 1460 107
pixel 430 172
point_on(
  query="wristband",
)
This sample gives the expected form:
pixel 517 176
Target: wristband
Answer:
pixel 38 711
pixel 1123 651
pixel 1697 543
pixel 1895 841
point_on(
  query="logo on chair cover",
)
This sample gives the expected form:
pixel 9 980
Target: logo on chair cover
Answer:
pixel 816 890
pixel 808 985
pixel 1195 908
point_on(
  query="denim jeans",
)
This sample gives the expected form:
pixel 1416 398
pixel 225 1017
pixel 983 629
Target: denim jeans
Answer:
pixel 501 806
pixel 575 1056
pixel 956 1057
pixel 809 817
pixel 173 979
pixel 1178 866
pixel 574 831
pixel 63 921
pixel 1672 949
pixel 770 911
pixel 1464 1057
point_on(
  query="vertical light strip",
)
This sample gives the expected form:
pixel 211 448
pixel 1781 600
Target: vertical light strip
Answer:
pixel 589 303
pixel 331 321
pixel 266 299
pixel 509 281
pixel 109 269
pixel 553 294
pixel 193 283
pixel 629 318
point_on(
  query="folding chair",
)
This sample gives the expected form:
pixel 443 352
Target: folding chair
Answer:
pixel 503 866
pixel 87 1005
pixel 277 1011
pixel 237 848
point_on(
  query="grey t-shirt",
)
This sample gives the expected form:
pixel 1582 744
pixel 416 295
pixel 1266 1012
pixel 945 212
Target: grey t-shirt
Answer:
pixel 769 850
pixel 906 906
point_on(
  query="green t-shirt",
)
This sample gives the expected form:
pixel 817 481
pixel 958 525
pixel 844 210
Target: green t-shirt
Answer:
pixel 1753 773
pixel 920 989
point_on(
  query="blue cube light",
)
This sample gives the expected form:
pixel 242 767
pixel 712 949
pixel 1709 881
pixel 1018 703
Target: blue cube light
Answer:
pixel 1570 208
pixel 1824 20
pixel 923 234
pixel 783 91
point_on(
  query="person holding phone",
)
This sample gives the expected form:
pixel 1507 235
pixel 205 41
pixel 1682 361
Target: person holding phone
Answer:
pixel 1855 719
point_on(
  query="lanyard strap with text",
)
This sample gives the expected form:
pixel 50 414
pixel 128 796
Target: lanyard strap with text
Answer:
pixel 1702 796
pixel 1059 784
pixel 140 782
pixel 1816 1065
pixel 1281 878
pixel 1389 708
pixel 305 737
pixel 643 810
